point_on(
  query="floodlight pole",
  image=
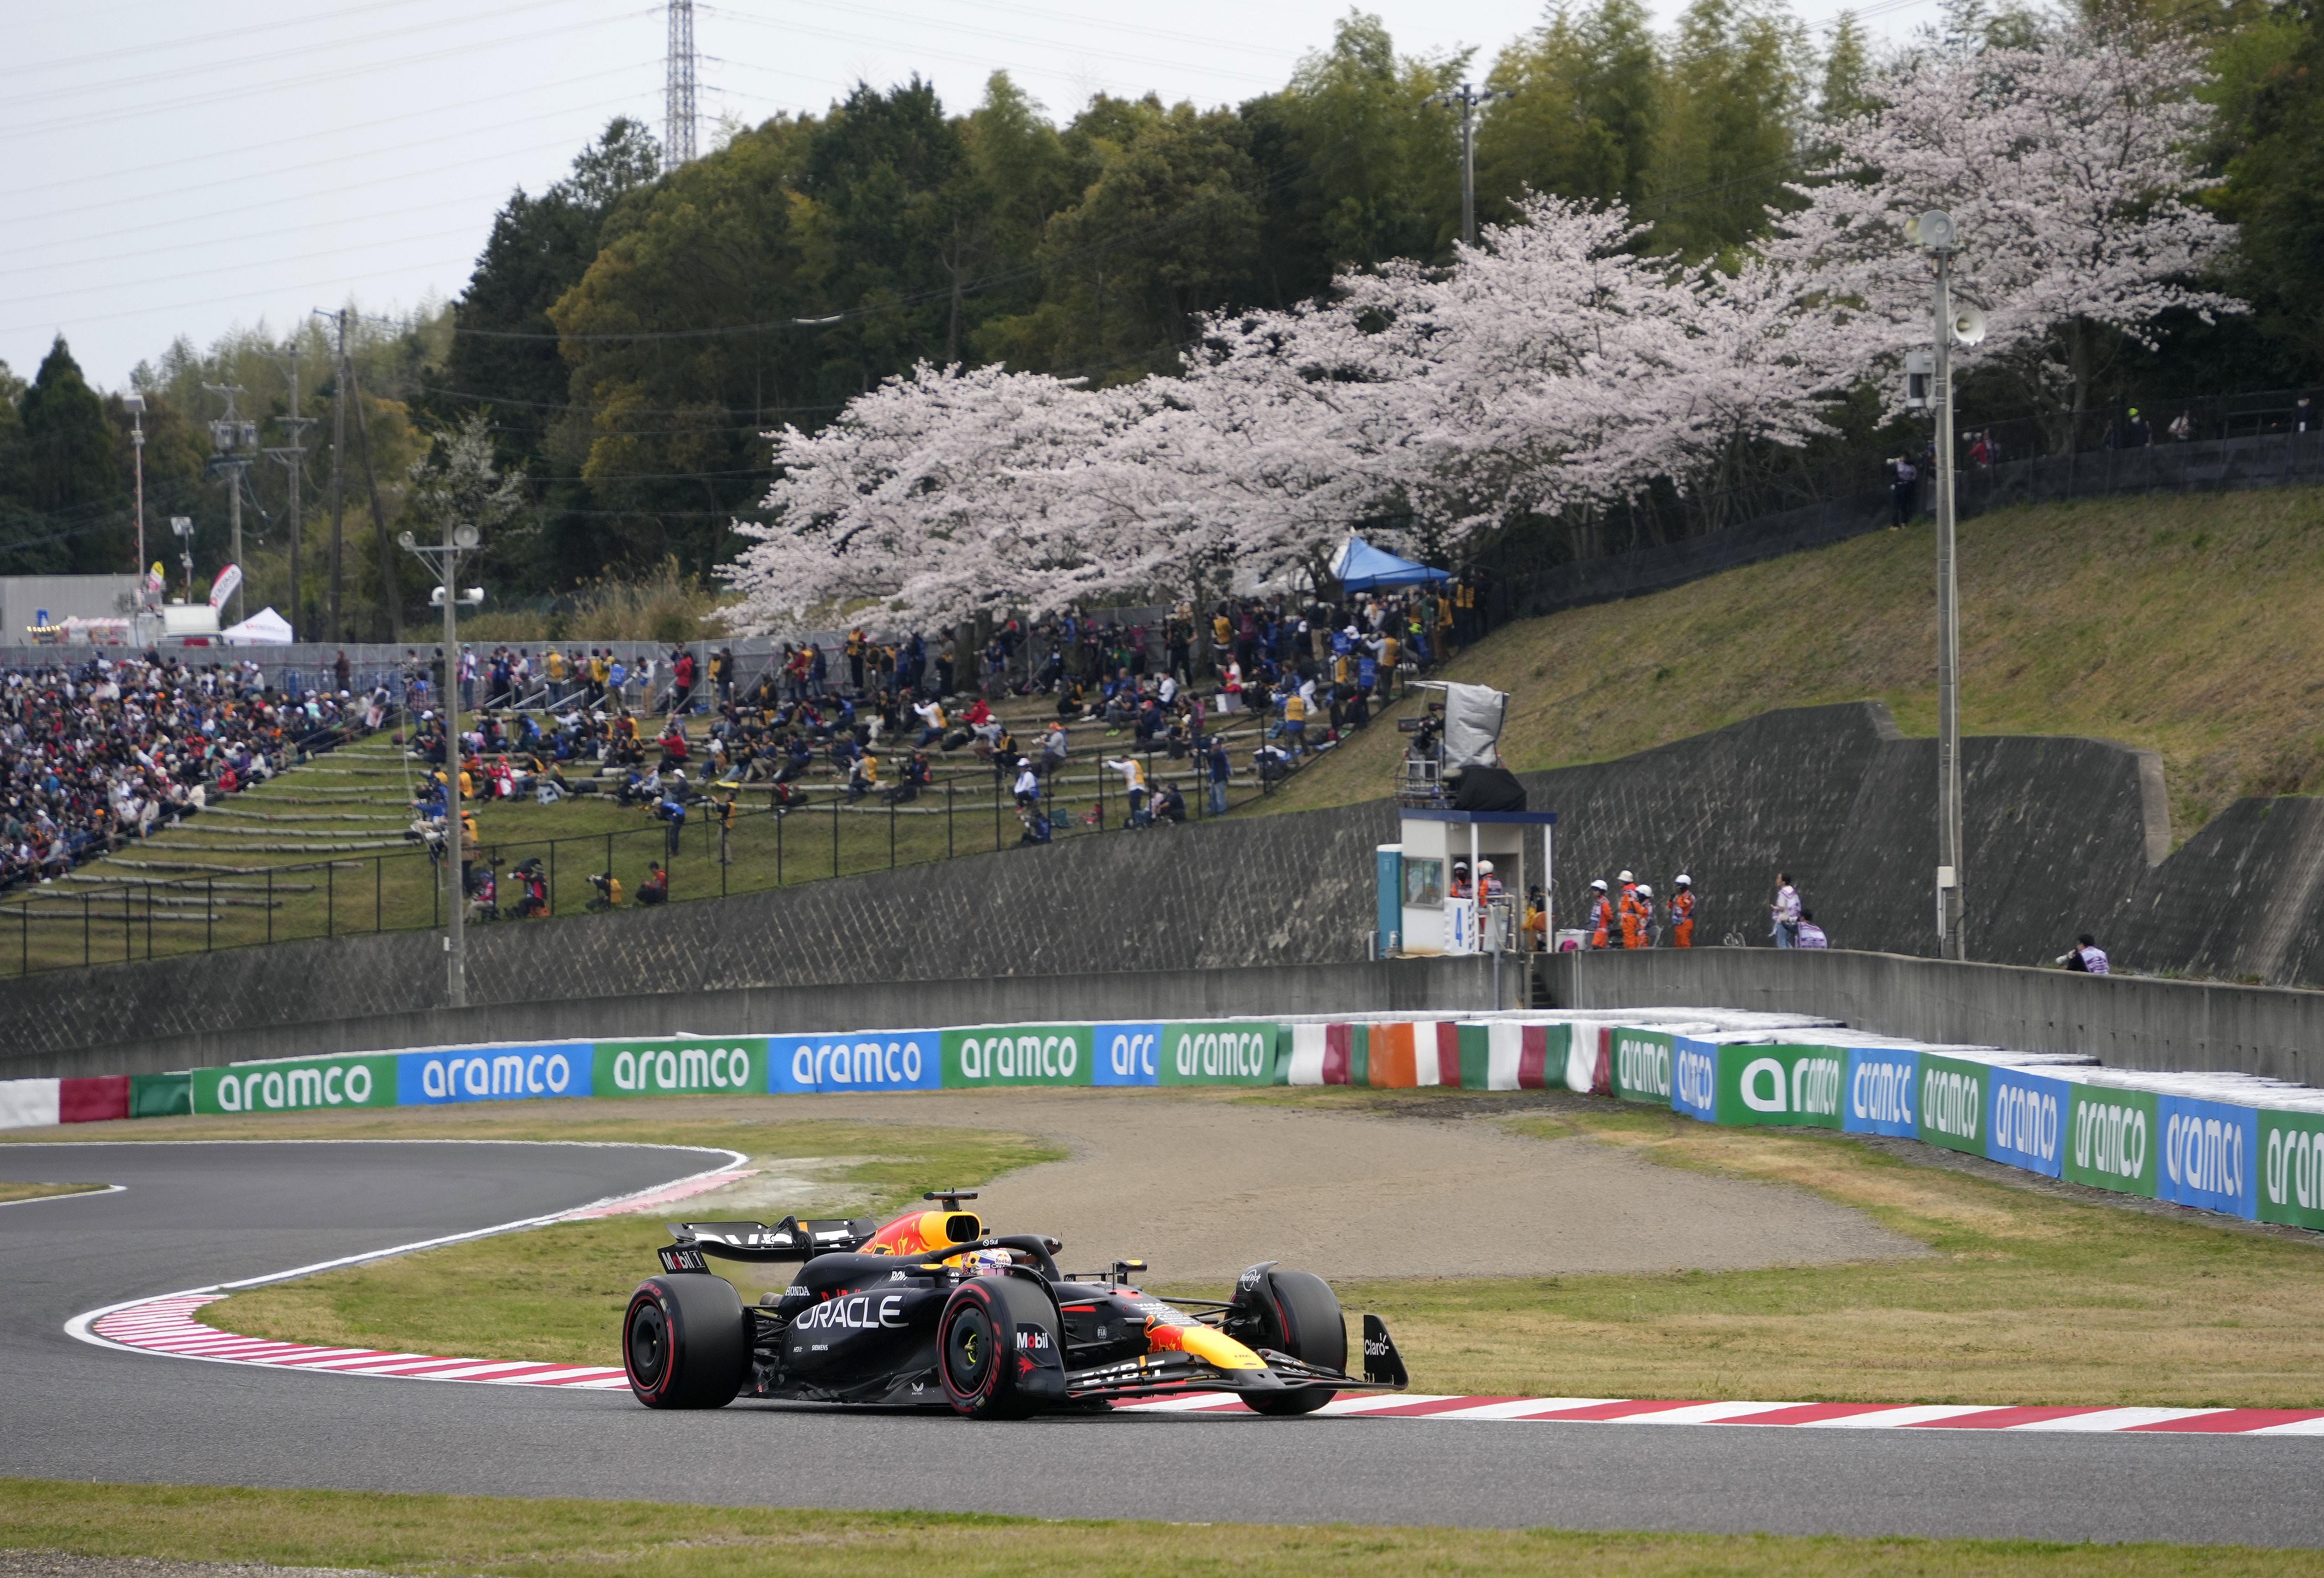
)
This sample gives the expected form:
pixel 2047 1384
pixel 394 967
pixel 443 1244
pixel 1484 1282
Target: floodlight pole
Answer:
pixel 1951 905
pixel 1470 99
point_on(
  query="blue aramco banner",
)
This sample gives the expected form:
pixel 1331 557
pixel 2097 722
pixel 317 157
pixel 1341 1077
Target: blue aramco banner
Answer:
pixel 1882 1082
pixel 2207 1150
pixel 2025 1120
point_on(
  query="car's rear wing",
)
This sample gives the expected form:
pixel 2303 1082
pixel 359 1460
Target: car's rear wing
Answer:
pixel 789 1240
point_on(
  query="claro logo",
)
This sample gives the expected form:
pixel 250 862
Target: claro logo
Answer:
pixel 2295 1168
pixel 1643 1066
pixel 1882 1093
pixel 276 1089
pixel 1814 1086
pixel 2025 1122
pixel 2110 1138
pixel 2204 1154
pixel 1237 1055
pixel 857 1063
pixel 1952 1104
pixel 1698 1080
pixel 683 1068
pixel 1019 1057
pixel 447 1079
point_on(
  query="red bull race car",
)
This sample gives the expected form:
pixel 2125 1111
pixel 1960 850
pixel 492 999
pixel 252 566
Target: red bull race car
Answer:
pixel 935 1310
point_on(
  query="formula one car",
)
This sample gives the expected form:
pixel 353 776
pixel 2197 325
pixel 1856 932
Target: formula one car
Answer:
pixel 934 1310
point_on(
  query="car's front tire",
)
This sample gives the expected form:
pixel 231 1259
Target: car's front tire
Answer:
pixel 984 1355
pixel 686 1343
pixel 1299 1315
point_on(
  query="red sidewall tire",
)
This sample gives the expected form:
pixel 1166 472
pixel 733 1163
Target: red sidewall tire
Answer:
pixel 686 1343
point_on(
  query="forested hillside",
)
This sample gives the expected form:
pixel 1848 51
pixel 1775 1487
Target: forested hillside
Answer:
pixel 628 336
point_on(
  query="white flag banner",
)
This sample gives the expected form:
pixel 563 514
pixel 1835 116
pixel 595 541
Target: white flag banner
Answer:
pixel 224 587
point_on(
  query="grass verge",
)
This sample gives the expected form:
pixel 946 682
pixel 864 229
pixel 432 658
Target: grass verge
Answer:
pixel 2186 624
pixel 473 1534
pixel 2035 1293
pixel 11 1192
pixel 557 1293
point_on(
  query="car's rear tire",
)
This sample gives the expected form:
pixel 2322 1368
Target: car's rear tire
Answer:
pixel 1299 1315
pixel 979 1346
pixel 686 1343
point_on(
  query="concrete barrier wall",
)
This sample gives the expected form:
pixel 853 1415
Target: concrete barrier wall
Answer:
pixel 2065 836
pixel 1402 986
pixel 2124 1022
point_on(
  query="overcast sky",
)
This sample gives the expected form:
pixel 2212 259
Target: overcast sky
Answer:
pixel 181 168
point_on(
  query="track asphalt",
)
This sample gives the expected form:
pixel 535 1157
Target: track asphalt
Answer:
pixel 193 1214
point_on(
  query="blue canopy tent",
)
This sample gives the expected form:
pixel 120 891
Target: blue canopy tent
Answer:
pixel 1362 568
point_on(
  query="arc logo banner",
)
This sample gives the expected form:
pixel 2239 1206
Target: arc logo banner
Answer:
pixel 2112 1138
pixel 1785 1086
pixel 1126 1054
pixel 996 1054
pixel 2289 1161
pixel 299 1086
pixel 680 1066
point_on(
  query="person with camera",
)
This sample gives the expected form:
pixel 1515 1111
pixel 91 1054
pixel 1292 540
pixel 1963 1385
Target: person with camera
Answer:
pixel 655 889
pixel 671 811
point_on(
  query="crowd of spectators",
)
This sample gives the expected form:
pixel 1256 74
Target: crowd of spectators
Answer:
pixel 97 753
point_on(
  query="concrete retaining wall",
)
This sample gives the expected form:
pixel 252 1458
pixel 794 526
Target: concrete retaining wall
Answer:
pixel 2064 835
pixel 2163 1025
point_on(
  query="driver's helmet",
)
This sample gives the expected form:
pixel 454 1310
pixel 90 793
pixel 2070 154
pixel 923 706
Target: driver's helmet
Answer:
pixel 984 1262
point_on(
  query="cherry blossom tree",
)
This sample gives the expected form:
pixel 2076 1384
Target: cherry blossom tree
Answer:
pixel 2067 164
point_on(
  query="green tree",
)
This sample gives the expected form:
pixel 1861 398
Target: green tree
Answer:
pixel 2275 191
pixel 682 353
pixel 1166 230
pixel 1731 133
pixel 503 354
pixel 74 485
pixel 1584 105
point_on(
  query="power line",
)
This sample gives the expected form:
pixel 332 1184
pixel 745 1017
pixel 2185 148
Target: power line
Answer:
pixel 249 90
pixel 177 73
pixel 215 155
pixel 236 268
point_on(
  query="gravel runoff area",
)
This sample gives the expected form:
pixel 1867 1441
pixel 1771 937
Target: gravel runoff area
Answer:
pixel 1199 1185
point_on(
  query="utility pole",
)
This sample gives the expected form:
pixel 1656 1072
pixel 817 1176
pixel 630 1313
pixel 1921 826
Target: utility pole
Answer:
pixel 338 472
pixel 136 404
pixel 446 559
pixel 1934 232
pixel 678 90
pixel 1471 98
pixel 232 441
pixel 293 456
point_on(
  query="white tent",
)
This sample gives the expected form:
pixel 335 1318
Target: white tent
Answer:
pixel 264 628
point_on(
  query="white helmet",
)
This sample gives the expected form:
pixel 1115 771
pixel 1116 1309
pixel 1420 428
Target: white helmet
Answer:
pixel 1683 881
pixel 1484 868
pixel 1645 891
pixel 1600 884
pixel 1626 876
